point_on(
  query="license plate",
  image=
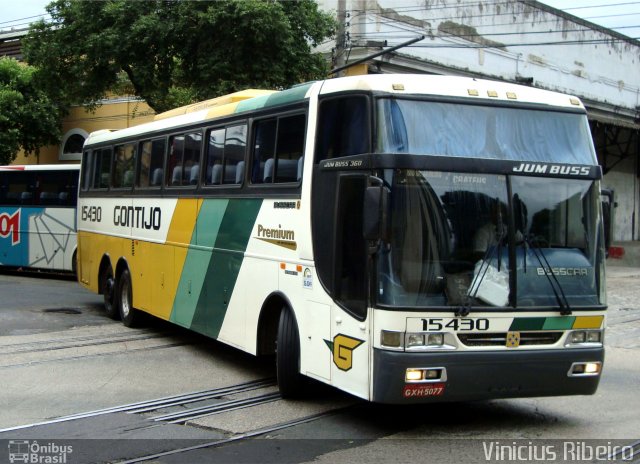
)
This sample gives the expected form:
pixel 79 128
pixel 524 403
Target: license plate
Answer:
pixel 422 390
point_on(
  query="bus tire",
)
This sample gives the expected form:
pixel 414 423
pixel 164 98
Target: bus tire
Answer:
pixel 109 293
pixel 130 316
pixel 290 381
pixel 74 263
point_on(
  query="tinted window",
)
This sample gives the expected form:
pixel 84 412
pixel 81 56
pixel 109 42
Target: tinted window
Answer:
pixel 17 188
pixel 151 163
pixel 102 168
pixel 183 166
pixel 124 165
pixel 278 150
pixel 39 188
pixel 225 155
pixel 343 128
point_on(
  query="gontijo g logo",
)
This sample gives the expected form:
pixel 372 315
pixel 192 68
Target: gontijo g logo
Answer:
pixel 342 348
pixel 10 226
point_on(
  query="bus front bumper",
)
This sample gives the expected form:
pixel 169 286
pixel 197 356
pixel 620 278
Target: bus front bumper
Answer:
pixel 483 375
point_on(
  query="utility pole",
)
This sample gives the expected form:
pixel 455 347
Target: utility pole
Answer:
pixel 341 36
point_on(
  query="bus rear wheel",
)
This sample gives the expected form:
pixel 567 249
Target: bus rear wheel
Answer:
pixel 108 293
pixel 290 381
pixel 130 316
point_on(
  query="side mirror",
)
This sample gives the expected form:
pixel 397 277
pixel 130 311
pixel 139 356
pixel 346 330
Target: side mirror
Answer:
pixel 374 212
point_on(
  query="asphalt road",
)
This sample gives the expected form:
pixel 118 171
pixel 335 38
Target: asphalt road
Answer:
pixel 59 356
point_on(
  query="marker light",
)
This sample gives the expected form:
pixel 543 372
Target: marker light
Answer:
pixel 391 339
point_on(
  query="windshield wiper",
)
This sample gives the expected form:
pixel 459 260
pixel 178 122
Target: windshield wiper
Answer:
pixel 561 298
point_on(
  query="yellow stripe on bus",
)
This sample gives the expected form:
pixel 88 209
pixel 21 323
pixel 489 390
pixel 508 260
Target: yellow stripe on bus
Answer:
pixel 179 237
pixel 588 322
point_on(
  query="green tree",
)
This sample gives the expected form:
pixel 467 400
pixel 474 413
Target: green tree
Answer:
pixel 175 52
pixel 29 119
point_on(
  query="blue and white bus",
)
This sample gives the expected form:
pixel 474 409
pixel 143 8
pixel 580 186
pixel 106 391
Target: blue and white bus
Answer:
pixel 38 217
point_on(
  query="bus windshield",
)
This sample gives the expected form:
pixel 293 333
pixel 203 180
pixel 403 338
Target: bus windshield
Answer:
pixel 456 239
pixel 439 128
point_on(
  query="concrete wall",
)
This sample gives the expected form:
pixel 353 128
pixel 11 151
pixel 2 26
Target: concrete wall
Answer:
pixel 502 40
pixel 624 181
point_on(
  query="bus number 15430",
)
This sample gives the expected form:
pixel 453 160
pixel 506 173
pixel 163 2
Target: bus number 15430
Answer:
pixel 455 324
pixel 92 213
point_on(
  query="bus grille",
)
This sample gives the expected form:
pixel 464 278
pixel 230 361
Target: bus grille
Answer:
pixel 500 339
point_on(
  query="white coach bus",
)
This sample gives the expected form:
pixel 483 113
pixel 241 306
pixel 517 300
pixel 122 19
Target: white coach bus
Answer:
pixel 403 238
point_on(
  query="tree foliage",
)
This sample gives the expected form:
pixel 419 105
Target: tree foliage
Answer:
pixel 175 52
pixel 29 119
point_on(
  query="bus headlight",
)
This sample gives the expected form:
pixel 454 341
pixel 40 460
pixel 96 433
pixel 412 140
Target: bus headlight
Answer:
pixel 415 340
pixel 578 336
pixel 581 337
pixel 594 336
pixel 435 339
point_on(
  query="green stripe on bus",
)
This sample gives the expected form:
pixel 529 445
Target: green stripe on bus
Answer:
pixel 284 97
pixel 542 323
pixel 558 323
pixel 197 261
pixel 527 323
pixel 226 259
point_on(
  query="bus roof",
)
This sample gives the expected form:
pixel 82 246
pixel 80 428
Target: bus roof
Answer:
pixel 449 86
pixel 393 84
pixel 41 167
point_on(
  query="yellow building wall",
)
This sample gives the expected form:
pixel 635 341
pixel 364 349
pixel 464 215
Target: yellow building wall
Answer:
pixel 113 114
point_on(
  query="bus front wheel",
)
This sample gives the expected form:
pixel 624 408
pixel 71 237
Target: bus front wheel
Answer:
pixel 130 316
pixel 108 293
pixel 290 381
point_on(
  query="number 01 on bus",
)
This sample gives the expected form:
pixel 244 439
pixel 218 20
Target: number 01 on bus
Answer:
pixel 403 238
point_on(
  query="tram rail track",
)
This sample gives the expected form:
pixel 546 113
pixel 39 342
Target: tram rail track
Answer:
pixel 173 401
pixel 64 348
pixel 78 342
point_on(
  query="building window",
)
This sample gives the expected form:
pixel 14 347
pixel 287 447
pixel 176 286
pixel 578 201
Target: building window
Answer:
pixel 71 145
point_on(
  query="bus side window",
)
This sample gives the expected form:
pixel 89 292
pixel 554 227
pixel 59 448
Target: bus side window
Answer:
pixel 263 149
pixel 184 157
pixel 343 128
pixel 87 159
pixel 4 189
pixel 124 164
pixel 102 168
pixel 191 163
pixel 289 148
pixel 279 145
pixel 151 170
pixel 215 152
pixel 174 162
pixel 235 143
